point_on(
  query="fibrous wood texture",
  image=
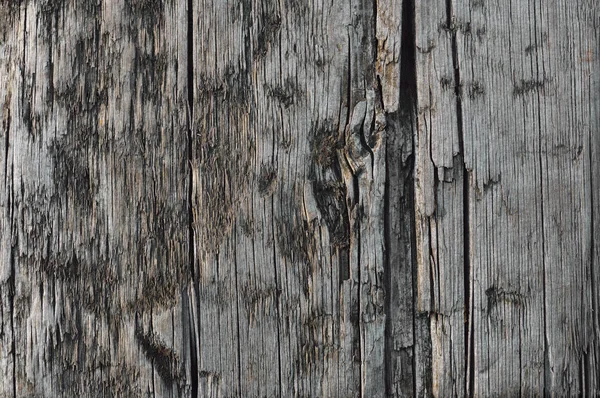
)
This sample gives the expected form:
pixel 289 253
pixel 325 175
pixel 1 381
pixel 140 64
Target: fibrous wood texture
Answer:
pixel 506 188
pixel 94 201
pixel 299 198
pixel 288 165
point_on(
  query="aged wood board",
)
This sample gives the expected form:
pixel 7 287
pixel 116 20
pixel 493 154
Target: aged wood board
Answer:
pixel 299 198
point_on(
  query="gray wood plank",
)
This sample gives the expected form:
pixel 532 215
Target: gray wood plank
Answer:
pixel 535 290
pixel 95 192
pixel 441 222
pixel 526 97
pixel 508 243
pixel 289 177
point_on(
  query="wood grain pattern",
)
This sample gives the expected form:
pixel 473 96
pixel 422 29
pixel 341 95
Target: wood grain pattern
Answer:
pixel 94 231
pixel 522 132
pixel 299 198
pixel 289 177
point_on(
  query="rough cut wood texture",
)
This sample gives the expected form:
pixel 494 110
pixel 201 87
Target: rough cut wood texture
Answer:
pixel 299 198
pixel 289 177
pixel 94 198
pixel 507 186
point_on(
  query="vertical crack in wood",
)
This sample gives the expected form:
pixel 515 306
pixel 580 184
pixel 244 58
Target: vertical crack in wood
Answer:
pixel 399 236
pixel 11 210
pixel 191 237
pixel 193 351
pixel 11 304
pixel 152 351
pixel 468 332
pixel 237 317
pixel 400 365
pixel 413 228
pixel 588 386
pixel 277 297
pixel 6 122
pixel 12 282
pixel 247 16
pixel 434 253
pixel 387 283
pixel 547 372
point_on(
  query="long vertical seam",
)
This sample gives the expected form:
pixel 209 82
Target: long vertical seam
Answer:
pixel 547 382
pixel 588 385
pixel 191 237
pixel 406 106
pixel 387 243
pixel 13 276
pixel 247 18
pixel 278 289
pixel 468 332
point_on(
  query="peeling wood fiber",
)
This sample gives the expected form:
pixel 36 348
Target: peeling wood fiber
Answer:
pixel 299 198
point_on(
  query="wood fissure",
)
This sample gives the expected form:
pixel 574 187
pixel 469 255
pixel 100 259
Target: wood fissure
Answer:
pixel 595 297
pixel 11 294
pixel 400 353
pixel 525 87
pixel 459 91
pixel 305 198
pixel 191 327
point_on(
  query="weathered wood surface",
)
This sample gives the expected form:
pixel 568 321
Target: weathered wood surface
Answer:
pixel 507 186
pixel 292 198
pixel 94 199
pixel 288 167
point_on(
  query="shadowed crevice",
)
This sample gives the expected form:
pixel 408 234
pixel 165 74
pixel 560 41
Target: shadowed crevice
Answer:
pixel 191 235
pixel 468 333
pixel 399 205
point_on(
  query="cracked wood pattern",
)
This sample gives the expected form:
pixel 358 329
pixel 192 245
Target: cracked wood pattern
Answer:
pixel 269 198
pixel 94 230
pixel 506 196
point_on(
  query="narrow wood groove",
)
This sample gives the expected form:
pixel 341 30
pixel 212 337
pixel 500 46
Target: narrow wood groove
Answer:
pixel 387 284
pixel 413 246
pixel 237 325
pixel 191 235
pixel 408 81
pixel 277 302
pixel 548 384
pixel 455 28
pixel 588 387
pixel 11 304
pixel 594 303
pixel 7 122
pixel 13 240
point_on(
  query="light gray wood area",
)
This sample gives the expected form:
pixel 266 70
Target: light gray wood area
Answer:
pixel 506 182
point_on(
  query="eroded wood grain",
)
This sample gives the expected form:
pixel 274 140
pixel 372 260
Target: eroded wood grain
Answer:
pixel 289 179
pixel 521 129
pixel 94 231
pixel 293 198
